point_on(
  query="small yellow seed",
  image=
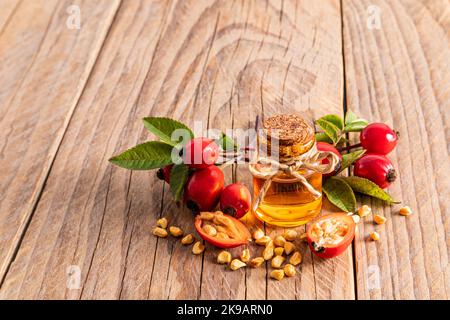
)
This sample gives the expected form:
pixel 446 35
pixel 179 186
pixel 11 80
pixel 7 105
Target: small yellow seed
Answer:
pixel 289 270
pixel 210 230
pixel 187 239
pixel 304 237
pixel 256 262
pixel 296 258
pixel 290 235
pixel 175 231
pixel 198 248
pixel 289 247
pixel 162 223
pixel 258 234
pixel 277 274
pixel 278 251
pixel 268 251
pixel 356 218
pixel 223 236
pixel 236 264
pixel 206 216
pixel 405 211
pixel 277 261
pixel 374 236
pixel 224 257
pixel 379 219
pixel 245 255
pixel 364 211
pixel 160 232
pixel 279 241
pixel 263 240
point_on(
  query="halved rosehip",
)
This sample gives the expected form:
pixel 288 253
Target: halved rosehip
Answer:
pixel 221 230
pixel 330 235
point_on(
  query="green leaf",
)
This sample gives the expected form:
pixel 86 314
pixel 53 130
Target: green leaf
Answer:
pixel 340 194
pixel 226 143
pixel 350 117
pixel 334 119
pixel 178 177
pixel 349 158
pixel 322 137
pixel 330 129
pixel 356 125
pixel 145 156
pixel 367 187
pixel 164 127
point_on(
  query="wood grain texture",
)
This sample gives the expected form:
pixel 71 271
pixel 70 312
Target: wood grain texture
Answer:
pixel 200 61
pixel 399 74
pixel 45 66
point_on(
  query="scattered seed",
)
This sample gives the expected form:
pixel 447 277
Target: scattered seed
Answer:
pixel 222 236
pixel 374 236
pixel 279 241
pixel 364 211
pixel 379 219
pixel 236 264
pixel 290 235
pixel 278 251
pixel 198 248
pixel 289 270
pixel 162 223
pixel 175 231
pixel 245 255
pixel 224 257
pixel 277 261
pixel 304 237
pixel 405 211
pixel 289 247
pixel 256 262
pixel 187 239
pixel 160 232
pixel 277 274
pixel 207 216
pixel 296 258
pixel 258 234
pixel 268 251
pixel 356 218
pixel 263 240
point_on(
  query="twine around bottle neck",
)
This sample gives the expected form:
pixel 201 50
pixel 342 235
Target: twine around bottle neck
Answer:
pixel 310 160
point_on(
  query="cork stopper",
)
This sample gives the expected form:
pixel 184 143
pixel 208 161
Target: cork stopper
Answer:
pixel 294 135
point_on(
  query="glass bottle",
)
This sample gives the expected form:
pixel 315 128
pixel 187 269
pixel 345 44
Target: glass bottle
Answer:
pixel 287 156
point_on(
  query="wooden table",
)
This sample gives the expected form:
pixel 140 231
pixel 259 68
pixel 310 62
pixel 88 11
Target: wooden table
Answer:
pixel 73 226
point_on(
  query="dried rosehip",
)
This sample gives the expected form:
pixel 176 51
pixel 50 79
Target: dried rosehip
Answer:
pixel 235 200
pixel 378 138
pixel 200 153
pixel 376 168
pixel 203 188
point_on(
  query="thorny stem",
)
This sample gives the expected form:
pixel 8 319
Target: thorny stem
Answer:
pixel 348 148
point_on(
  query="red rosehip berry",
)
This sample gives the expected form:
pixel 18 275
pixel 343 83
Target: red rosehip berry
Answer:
pixel 203 188
pixel 235 200
pixel 164 173
pixel 200 153
pixel 378 138
pixel 323 146
pixel 377 168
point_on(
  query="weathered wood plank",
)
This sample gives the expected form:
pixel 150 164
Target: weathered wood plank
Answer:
pixel 44 68
pixel 400 74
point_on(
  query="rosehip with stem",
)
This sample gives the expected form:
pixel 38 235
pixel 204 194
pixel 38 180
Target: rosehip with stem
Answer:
pixel 203 188
pixel 200 153
pixel 377 168
pixel 235 200
pixel 378 138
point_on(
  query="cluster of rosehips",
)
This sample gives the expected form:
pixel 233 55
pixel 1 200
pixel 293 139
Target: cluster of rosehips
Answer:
pixel 204 189
pixel 378 139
